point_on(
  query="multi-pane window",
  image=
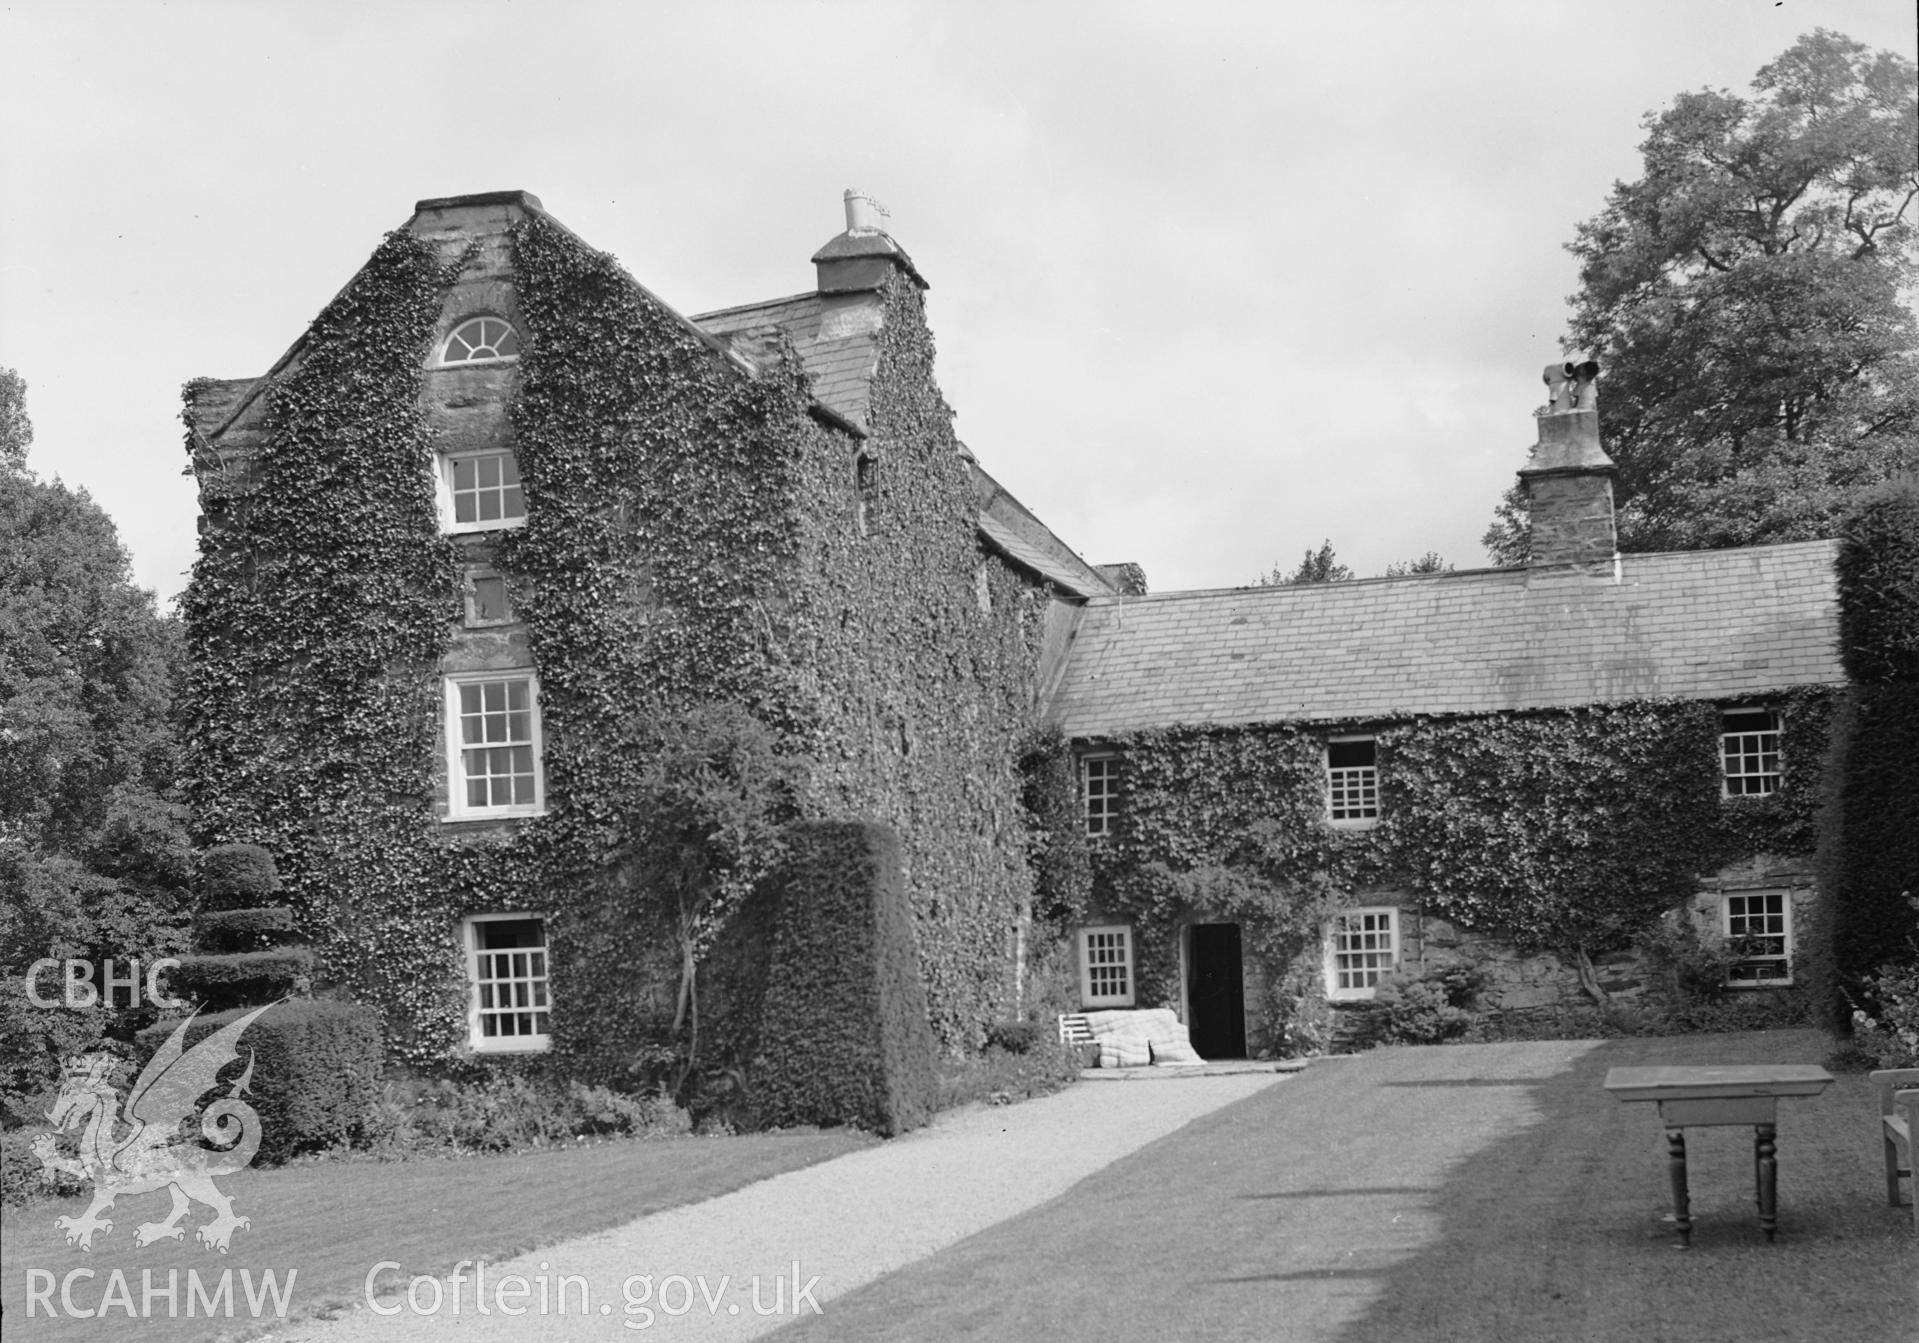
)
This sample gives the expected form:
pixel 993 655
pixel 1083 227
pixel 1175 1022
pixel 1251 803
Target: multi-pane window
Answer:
pixel 483 491
pixel 1363 945
pixel 480 338
pixel 494 735
pixel 506 972
pixel 1099 792
pixel 1749 751
pixel 1106 966
pixel 1352 781
pixel 1759 927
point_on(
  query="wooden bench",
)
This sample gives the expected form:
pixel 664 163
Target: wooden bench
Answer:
pixel 1073 1030
pixel 1898 1121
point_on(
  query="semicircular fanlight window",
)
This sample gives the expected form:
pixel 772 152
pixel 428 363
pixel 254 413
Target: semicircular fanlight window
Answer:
pixel 481 338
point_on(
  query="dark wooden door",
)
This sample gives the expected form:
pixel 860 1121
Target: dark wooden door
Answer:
pixel 1216 991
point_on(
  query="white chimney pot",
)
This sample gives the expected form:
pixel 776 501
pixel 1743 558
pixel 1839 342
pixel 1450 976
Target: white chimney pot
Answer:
pixel 861 217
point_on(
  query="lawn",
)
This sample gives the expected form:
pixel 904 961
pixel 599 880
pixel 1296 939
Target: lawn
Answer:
pixel 1478 1192
pixel 332 1222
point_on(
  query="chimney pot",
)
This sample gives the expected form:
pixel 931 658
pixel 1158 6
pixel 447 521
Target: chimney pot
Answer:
pixel 862 215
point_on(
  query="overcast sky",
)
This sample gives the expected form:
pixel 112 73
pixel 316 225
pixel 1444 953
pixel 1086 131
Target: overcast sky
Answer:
pixel 1210 282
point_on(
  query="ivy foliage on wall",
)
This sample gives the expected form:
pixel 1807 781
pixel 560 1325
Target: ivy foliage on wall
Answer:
pixel 1058 848
pixel 691 537
pixel 1557 831
pixel 921 693
pixel 316 616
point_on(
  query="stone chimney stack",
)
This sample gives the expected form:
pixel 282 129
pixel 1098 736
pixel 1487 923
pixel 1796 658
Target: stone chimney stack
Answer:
pixel 1568 482
pixel 859 260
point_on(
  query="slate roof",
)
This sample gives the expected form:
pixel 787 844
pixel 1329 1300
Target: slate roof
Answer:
pixel 1696 625
pixel 841 369
pixel 1010 544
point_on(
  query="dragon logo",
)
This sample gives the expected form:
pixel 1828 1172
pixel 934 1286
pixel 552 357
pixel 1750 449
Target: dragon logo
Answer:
pixel 152 1154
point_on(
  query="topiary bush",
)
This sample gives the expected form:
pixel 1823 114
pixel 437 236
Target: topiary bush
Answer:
pixel 316 1069
pixel 237 876
pixel 243 978
pixel 845 1037
pixel 243 940
pixel 244 929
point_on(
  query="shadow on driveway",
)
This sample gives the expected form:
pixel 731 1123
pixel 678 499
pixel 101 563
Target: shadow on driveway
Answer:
pixel 1473 1192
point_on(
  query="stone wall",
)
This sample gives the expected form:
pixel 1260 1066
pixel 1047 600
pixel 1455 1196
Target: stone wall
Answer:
pixel 1519 981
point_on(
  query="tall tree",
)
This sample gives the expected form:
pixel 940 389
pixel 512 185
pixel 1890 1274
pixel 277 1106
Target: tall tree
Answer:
pixel 1745 298
pixel 16 430
pixel 1432 562
pixel 93 853
pixel 1315 566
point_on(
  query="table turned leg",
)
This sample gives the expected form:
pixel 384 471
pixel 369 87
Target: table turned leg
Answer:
pixel 1676 1169
pixel 1765 1154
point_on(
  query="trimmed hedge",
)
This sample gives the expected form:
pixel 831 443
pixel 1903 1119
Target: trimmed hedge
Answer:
pixel 1869 825
pixel 844 1037
pixel 228 930
pixel 316 1069
pixel 1878 568
pixel 1868 850
pixel 237 876
pixel 236 979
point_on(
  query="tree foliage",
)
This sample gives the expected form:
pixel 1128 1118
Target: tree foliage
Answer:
pixel 1315 566
pixel 16 430
pixel 703 823
pixel 93 856
pixel 1744 295
pixel 1432 562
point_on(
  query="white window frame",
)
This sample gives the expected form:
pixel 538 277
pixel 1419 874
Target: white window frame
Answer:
pixel 1732 925
pixel 1102 821
pixel 1364 778
pixel 469 599
pixel 1097 947
pixel 537 981
pixel 457 807
pixel 1335 931
pixel 460 326
pixel 448 517
pixel 1743 747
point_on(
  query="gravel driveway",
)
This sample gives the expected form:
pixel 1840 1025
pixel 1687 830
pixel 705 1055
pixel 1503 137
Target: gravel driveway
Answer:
pixel 743 1264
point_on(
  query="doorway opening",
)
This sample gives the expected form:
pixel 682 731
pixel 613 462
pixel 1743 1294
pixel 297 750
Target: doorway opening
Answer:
pixel 1215 991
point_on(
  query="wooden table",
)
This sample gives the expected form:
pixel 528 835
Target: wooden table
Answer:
pixel 1697 1097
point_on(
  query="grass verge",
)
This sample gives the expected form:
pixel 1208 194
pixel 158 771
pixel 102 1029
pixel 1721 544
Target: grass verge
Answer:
pixel 331 1222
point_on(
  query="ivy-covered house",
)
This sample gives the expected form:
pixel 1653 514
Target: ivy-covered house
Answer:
pixel 500 510
pixel 1291 790
pixel 500 507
